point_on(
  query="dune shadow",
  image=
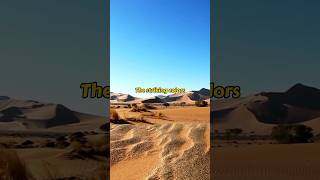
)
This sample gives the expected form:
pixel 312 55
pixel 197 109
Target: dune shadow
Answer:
pixel 120 121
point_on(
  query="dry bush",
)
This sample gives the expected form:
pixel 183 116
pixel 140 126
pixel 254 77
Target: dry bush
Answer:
pixel 115 118
pixel 114 115
pixel 141 108
pixel 159 115
pixel 139 119
pixel 12 167
pixel 100 146
pixel 80 151
pixel 148 106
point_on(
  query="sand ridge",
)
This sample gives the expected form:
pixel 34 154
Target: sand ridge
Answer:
pixel 178 148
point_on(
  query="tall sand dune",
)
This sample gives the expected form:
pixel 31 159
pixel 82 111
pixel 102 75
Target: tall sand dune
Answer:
pixel 260 112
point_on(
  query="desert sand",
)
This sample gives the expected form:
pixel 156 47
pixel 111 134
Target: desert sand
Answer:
pixel 170 146
pixel 50 141
pixel 266 161
pixel 253 154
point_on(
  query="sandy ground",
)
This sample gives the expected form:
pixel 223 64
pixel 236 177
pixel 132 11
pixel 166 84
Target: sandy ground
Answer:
pixel 266 161
pixel 169 148
pixel 48 162
pixel 44 161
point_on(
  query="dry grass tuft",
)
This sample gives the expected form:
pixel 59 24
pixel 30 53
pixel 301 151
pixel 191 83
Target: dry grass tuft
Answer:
pixel 141 108
pixel 139 119
pixel 115 118
pixel 12 167
pixel 114 115
pixel 159 115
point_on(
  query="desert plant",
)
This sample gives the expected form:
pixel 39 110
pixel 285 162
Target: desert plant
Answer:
pixel 166 104
pixel 141 108
pixel 12 167
pixel 114 115
pixel 159 115
pixel 235 131
pixel 292 134
pixel 148 106
pixel 201 103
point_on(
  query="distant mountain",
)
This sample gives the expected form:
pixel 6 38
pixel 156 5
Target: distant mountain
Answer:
pixel 299 104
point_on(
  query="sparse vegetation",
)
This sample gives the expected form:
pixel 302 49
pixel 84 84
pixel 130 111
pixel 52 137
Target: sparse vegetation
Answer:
pixel 12 167
pixel 233 133
pixel 182 104
pixel 148 106
pixel 166 104
pixel 159 115
pixel 141 108
pixel 287 134
pixel 201 103
pixel 114 115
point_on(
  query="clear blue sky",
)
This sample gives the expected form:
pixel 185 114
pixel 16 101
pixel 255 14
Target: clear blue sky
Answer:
pixel 162 43
pixel 266 45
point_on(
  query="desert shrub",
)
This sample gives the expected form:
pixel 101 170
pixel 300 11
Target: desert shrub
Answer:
pixel 141 108
pixel 138 119
pixel 12 167
pixel 159 115
pixel 114 115
pixel 201 103
pixel 148 106
pixel 166 104
pixel 48 143
pixel 233 133
pixel 100 146
pixel 292 134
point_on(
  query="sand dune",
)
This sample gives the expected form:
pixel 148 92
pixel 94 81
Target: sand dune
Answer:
pixel 258 157
pixel 259 113
pixel 187 97
pixel 27 115
pixel 166 150
pixel 53 141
